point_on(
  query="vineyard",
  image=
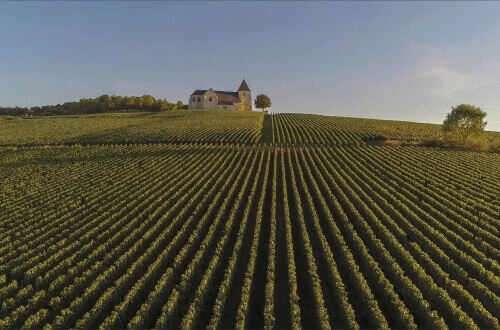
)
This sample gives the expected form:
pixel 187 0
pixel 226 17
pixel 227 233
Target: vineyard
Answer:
pixel 332 131
pixel 240 220
pixel 133 127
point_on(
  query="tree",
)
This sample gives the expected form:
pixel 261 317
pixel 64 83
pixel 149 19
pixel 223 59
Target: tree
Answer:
pixel 262 101
pixel 464 121
pixel 179 105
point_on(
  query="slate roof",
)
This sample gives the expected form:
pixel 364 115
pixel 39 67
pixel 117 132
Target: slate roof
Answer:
pixel 224 97
pixel 200 91
pixel 243 87
pixel 227 98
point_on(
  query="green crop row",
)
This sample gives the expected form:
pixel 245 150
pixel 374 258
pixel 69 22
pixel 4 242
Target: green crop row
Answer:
pixel 317 230
pixel 181 126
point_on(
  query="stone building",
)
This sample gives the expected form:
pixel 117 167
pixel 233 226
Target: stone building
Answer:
pixel 208 99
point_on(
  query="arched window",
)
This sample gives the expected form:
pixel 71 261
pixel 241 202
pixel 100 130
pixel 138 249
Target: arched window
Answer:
pixel 210 99
pixel 199 99
pixel 244 94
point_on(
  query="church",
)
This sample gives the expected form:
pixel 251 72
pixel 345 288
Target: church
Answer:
pixel 208 99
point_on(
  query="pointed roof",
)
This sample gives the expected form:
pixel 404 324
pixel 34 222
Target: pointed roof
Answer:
pixel 243 87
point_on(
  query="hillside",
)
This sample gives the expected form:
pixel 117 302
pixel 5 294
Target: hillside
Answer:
pixel 230 219
pixel 133 127
pixel 184 126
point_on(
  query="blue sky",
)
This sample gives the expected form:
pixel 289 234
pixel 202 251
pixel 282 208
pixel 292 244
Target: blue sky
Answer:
pixel 389 60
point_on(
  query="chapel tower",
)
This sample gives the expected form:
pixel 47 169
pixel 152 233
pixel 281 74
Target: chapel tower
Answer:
pixel 245 96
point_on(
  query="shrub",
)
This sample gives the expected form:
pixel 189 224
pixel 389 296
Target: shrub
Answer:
pixel 478 144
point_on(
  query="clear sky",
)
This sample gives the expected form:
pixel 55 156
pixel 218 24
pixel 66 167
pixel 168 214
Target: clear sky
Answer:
pixel 389 60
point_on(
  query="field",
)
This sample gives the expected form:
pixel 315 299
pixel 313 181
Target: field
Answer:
pixel 197 219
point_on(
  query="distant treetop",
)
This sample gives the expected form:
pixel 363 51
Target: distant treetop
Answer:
pixel 103 103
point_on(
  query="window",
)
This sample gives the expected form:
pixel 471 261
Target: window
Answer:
pixel 194 98
pixel 244 94
pixel 210 99
pixel 199 99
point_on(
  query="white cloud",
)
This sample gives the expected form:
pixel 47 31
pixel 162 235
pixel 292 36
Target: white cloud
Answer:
pixel 448 76
pixel 493 125
pixel 444 81
pixel 439 74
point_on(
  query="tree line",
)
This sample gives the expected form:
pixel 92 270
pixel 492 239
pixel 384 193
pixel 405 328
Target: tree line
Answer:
pixel 100 104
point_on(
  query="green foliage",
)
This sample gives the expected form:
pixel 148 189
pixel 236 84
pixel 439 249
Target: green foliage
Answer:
pixel 330 130
pixel 100 104
pixel 262 101
pixel 13 111
pixel 214 233
pixel 135 127
pixel 463 122
pixel 307 129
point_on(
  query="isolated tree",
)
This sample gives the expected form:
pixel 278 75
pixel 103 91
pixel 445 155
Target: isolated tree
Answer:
pixel 262 101
pixel 463 122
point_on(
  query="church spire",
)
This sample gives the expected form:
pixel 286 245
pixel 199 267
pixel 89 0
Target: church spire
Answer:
pixel 243 87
